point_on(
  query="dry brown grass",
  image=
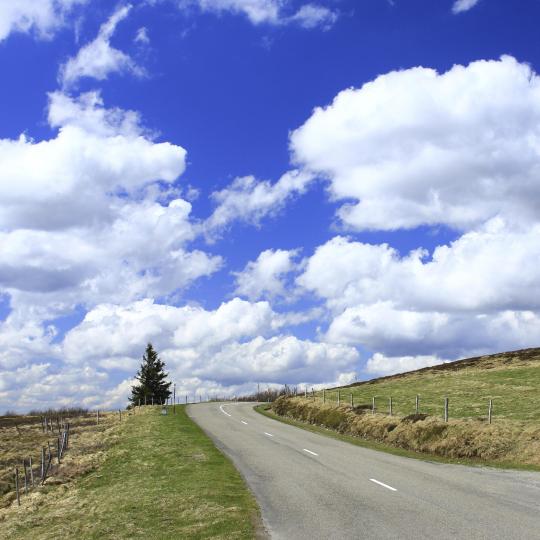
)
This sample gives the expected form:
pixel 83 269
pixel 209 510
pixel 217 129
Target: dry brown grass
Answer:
pixel 504 442
pixel 21 437
pixel 162 478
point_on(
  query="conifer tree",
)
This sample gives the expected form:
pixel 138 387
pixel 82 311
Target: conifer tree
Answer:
pixel 151 377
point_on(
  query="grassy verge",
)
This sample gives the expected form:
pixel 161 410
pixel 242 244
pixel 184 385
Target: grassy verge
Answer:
pixel 162 479
pixel 266 410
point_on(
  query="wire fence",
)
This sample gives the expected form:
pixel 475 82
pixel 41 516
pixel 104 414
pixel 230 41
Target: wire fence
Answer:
pixel 33 448
pixel 443 406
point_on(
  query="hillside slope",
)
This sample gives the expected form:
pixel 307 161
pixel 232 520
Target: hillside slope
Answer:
pixel 511 381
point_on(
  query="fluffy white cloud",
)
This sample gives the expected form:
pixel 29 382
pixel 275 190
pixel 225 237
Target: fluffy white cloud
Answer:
pixel 273 12
pixel 81 219
pixel 111 330
pixel 265 276
pixel 379 364
pixel 488 270
pixel 478 294
pixel 248 199
pixel 42 17
pixel 416 147
pixel 226 350
pixel 98 59
pixel 463 5
pixel 313 16
pixel 279 359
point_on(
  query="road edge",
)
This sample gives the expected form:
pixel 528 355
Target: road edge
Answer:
pixel 262 531
pixel 369 444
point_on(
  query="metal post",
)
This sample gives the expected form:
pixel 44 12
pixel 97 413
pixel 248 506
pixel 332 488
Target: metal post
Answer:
pixel 305 392
pixel 312 393
pixel 390 406
pixel 417 408
pixel 373 405
pixel 338 397
pixel 186 399
pixel 490 410
pixel 446 409
pixel 97 417
pixel 352 400
pixel 324 396
pixel 174 399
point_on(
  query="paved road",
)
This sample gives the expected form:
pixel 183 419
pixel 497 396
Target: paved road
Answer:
pixel 314 487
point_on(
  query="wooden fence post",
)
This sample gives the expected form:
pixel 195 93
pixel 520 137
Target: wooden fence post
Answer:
pixel 42 462
pixel 305 392
pixel 490 410
pixel 373 405
pixel 446 409
pixel 25 477
pixel 58 450
pixel 47 468
pixel 97 417
pixel 17 485
pixel 31 472
pixel 324 396
pixel 338 398
pixel 352 400
pixel 417 408
pixel 312 393
pixel 390 406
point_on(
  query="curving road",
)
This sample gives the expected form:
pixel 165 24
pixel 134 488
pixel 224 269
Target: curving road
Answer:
pixel 313 487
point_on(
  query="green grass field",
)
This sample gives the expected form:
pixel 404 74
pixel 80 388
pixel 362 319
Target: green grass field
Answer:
pixel 511 380
pixel 163 479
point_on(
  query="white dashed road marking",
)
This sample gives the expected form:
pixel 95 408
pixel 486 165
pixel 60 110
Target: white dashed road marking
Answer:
pixel 243 422
pixel 224 412
pixel 309 452
pixel 383 485
pixel 269 434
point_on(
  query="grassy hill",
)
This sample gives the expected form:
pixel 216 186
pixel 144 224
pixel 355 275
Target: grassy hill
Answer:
pixel 511 380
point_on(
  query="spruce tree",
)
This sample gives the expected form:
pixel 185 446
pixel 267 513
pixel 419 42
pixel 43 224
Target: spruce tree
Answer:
pixel 151 377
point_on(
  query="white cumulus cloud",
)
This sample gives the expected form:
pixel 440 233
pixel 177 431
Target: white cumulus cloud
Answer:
pixel 248 199
pixel 41 17
pixel 416 147
pixel 265 276
pixel 463 5
pixel 98 59
pixel 379 364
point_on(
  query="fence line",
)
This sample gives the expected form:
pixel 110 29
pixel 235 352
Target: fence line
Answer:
pixel 433 408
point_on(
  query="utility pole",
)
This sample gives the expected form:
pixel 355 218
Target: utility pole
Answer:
pixel 174 398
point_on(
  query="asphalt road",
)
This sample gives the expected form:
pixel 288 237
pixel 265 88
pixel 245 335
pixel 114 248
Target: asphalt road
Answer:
pixel 310 486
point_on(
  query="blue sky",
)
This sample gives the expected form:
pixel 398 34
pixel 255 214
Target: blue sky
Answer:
pixel 270 191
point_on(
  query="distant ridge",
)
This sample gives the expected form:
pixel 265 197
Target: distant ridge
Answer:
pixel 518 357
